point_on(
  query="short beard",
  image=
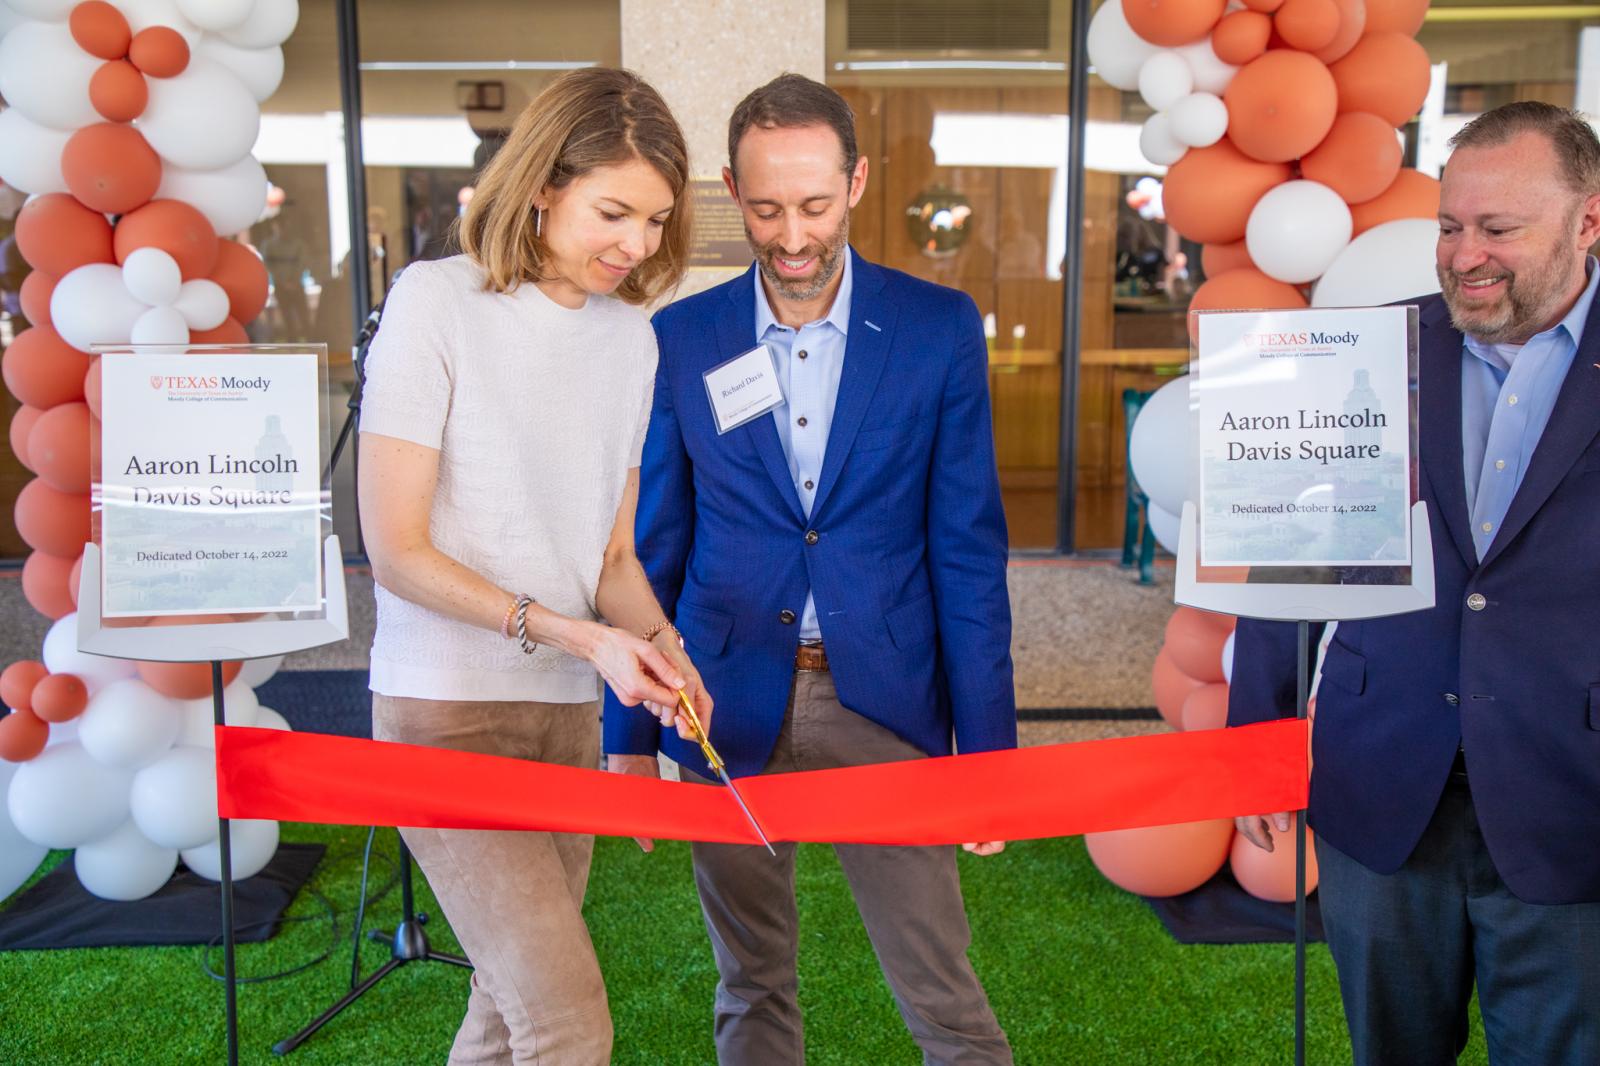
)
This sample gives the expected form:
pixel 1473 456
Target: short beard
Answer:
pixel 829 255
pixel 1530 299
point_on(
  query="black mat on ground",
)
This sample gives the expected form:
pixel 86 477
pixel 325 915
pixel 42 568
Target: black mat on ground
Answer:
pixel 321 701
pixel 58 912
pixel 1220 912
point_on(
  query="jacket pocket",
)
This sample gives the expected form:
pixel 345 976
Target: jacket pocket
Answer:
pixel 1594 707
pixel 703 629
pixel 911 624
pixel 1345 668
pixel 871 440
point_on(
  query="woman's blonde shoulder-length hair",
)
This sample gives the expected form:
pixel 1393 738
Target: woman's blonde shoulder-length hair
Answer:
pixel 584 120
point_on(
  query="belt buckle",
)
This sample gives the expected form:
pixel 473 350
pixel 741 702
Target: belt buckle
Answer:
pixel 811 658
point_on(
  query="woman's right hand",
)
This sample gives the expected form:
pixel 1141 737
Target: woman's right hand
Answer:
pixel 636 671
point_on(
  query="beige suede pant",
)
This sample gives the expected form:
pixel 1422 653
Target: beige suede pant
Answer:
pixel 514 900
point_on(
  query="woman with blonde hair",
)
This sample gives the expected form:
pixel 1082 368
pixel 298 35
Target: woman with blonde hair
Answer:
pixel 507 399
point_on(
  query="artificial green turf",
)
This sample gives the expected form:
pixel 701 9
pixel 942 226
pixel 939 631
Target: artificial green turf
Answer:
pixel 1078 972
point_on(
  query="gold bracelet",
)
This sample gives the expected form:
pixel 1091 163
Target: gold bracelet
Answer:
pixel 651 633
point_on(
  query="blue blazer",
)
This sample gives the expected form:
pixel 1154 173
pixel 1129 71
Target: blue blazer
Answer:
pixel 1516 684
pixel 905 549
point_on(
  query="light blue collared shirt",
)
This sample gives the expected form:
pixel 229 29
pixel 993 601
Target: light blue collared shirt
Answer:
pixel 1506 399
pixel 809 361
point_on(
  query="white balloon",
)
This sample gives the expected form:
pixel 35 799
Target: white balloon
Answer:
pixel 45 75
pixel 61 656
pixel 260 69
pixel 1157 143
pixel 202 303
pixel 1211 75
pixel 231 198
pixel 91 305
pixel 239 706
pixel 174 799
pixel 1161 447
pixel 62 798
pixel 43 10
pixel 267 718
pixel 1165 525
pixel 1115 51
pixel 160 325
pixel 251 844
pixel 152 276
pixel 257 672
pixel 30 154
pixel 1198 120
pixel 270 23
pixel 142 14
pixel 203 119
pixel 1390 262
pixel 19 856
pixel 125 865
pixel 64 732
pixel 1297 230
pixel 9 20
pixel 1227 658
pixel 129 724
pixel 1164 80
pixel 215 14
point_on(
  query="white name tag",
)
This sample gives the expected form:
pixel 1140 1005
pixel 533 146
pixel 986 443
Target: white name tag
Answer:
pixel 743 388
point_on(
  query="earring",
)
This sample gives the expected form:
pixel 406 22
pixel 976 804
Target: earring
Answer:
pixel 538 221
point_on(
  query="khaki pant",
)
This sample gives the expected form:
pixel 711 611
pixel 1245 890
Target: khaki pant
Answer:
pixel 514 899
pixel 909 900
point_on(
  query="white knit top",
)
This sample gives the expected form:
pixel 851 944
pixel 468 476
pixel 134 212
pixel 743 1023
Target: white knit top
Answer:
pixel 538 412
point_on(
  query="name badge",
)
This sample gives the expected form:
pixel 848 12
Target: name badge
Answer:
pixel 743 388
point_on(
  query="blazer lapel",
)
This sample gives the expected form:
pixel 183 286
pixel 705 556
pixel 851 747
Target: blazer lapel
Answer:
pixel 866 350
pixel 736 333
pixel 1440 430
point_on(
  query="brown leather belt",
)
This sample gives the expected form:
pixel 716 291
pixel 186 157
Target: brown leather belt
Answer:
pixel 810 657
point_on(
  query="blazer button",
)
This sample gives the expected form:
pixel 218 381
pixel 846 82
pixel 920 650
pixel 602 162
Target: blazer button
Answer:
pixel 811 536
pixel 1477 601
pixel 786 616
pixel 1452 699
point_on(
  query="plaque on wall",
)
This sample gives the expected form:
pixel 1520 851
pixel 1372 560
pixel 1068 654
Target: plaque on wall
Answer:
pixel 718 239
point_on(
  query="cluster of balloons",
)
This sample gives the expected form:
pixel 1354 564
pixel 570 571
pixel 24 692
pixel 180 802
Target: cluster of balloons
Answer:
pixel 130 124
pixel 1277 122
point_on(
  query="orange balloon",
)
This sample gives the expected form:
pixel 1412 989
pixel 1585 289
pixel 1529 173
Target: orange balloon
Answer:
pixel 1241 37
pixel 22 424
pixel 1246 289
pixel 17 681
pixel 1194 643
pixel 230 332
pixel 51 521
pixel 91 387
pixel 1220 258
pixel 35 294
pixel 1352 21
pixel 59 447
pixel 1269 875
pixel 1307 24
pixel 60 697
pixel 1208 193
pixel 184 681
pixel 1386 74
pixel 100 29
pixel 243 276
pixel 118 91
pixel 177 229
pixel 1162 860
pixel 1206 708
pixel 22 736
pixel 1412 195
pixel 1358 159
pixel 1267 6
pixel 159 51
pixel 1172 22
pixel 111 168
pixel 74 578
pixel 43 370
pixel 1396 16
pixel 1280 106
pixel 55 233
pixel 44 584
pixel 1171 687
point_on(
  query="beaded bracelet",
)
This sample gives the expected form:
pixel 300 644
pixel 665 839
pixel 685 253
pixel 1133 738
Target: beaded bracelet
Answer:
pixel 510 615
pixel 523 603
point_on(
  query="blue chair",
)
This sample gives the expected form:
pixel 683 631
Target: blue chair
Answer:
pixel 1136 531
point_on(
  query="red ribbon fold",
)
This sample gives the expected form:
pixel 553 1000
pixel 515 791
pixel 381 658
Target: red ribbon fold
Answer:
pixel 1049 791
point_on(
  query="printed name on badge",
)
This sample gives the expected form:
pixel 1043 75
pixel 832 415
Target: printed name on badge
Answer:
pixel 743 388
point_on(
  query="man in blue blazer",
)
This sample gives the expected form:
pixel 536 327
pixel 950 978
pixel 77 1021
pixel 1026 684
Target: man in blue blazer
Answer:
pixel 835 566
pixel 1456 783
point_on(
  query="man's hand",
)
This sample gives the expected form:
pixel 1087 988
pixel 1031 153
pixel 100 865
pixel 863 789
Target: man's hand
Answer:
pixel 1258 828
pixel 640 766
pixel 987 847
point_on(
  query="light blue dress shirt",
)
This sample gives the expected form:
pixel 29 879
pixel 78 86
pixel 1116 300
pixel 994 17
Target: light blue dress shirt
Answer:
pixel 1507 395
pixel 809 361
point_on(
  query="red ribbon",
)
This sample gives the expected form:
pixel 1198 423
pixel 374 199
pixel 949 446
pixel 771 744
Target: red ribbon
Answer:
pixel 1050 791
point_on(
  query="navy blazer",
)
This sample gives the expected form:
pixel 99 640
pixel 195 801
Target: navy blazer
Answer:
pixel 1516 684
pixel 905 549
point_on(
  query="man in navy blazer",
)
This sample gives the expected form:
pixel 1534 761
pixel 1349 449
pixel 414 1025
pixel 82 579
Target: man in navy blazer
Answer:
pixel 836 567
pixel 1456 784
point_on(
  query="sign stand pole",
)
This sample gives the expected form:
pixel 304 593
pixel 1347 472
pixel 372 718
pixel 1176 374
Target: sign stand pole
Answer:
pixel 1302 701
pixel 225 854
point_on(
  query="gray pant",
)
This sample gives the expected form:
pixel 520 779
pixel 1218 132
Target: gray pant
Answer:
pixel 1410 945
pixel 514 900
pixel 909 900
